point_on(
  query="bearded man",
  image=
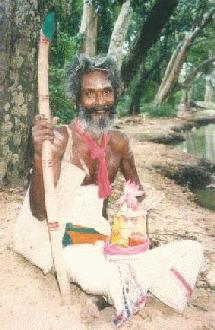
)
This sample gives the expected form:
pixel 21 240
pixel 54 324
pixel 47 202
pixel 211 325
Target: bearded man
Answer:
pixel 87 156
pixel 93 86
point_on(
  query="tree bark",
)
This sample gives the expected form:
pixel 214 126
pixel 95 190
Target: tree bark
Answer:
pixel 119 33
pixel 208 89
pixel 4 36
pixel 188 81
pixel 175 64
pixel 19 37
pixel 186 98
pixel 148 35
pixel 141 81
pixel 134 107
pixel 89 28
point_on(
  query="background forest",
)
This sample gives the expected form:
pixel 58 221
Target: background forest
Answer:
pixel 165 51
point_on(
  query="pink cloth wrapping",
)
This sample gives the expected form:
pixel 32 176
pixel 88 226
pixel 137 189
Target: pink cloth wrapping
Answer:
pixel 97 152
pixel 111 249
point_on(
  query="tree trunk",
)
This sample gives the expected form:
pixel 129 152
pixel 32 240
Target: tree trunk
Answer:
pixel 148 35
pixel 189 79
pixel 208 89
pixel 89 28
pixel 19 39
pixel 175 64
pixel 134 107
pixel 141 80
pixel 4 36
pixel 119 33
pixel 186 98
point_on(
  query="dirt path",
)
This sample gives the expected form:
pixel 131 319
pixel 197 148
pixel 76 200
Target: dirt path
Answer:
pixel 30 300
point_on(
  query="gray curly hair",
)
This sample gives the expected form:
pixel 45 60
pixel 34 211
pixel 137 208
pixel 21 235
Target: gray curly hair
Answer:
pixel 82 64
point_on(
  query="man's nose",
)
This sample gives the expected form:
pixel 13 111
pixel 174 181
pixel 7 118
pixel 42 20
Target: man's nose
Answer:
pixel 99 100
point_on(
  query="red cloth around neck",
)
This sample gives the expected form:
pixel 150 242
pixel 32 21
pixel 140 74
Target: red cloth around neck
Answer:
pixel 97 152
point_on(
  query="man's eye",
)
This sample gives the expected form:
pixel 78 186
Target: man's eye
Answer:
pixel 106 93
pixel 89 94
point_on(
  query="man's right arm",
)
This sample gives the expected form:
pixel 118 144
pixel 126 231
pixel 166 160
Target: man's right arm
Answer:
pixel 43 130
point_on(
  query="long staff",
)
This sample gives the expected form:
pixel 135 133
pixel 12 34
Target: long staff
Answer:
pixel 55 233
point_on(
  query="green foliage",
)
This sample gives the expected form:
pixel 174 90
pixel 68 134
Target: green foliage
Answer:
pixel 163 110
pixel 61 53
pixel 61 106
pixel 107 11
pixel 123 105
pixel 199 89
pixel 67 42
pixel 205 197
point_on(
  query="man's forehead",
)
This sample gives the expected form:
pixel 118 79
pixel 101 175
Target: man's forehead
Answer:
pixel 95 79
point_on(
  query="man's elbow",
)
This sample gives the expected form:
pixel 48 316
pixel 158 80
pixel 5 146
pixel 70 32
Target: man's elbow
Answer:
pixel 37 210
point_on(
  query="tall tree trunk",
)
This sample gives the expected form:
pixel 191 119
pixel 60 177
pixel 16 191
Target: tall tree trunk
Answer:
pixel 4 38
pixel 138 87
pixel 149 34
pixel 119 33
pixel 19 37
pixel 186 98
pixel 134 107
pixel 189 79
pixel 89 28
pixel 175 64
pixel 208 89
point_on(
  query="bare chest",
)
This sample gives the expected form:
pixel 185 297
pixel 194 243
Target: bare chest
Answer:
pixel 82 156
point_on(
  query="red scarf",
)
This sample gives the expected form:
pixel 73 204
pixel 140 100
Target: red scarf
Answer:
pixel 97 152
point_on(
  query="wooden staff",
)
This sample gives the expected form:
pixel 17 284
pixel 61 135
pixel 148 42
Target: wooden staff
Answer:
pixel 54 226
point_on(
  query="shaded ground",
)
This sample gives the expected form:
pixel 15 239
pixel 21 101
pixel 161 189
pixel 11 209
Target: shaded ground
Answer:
pixel 30 300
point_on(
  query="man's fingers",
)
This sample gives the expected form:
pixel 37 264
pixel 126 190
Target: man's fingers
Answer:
pixel 39 117
pixel 42 118
pixel 42 134
pixel 42 130
pixel 41 139
pixel 55 120
pixel 44 123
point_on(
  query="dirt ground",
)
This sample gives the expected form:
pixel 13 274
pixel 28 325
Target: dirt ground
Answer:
pixel 30 300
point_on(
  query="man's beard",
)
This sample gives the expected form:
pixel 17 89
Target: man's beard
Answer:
pixel 96 123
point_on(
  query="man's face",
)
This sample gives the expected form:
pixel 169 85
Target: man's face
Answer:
pixel 97 98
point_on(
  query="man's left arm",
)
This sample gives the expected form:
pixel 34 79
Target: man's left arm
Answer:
pixel 128 167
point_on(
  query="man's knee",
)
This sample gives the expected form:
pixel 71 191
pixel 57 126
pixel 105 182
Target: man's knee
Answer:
pixel 192 250
pixel 197 249
pixel 194 246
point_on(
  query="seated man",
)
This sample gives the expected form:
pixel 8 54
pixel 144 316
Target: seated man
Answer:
pixel 87 155
pixel 97 149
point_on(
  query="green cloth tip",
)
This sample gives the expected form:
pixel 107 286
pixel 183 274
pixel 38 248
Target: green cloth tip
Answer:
pixel 49 25
pixel 66 240
pixel 69 227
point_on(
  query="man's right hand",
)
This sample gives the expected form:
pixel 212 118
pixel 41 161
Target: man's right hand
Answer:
pixel 42 131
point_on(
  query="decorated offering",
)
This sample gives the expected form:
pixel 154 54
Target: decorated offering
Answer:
pixel 129 224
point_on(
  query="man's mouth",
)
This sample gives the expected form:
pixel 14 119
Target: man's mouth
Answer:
pixel 99 117
pixel 100 110
pixel 99 114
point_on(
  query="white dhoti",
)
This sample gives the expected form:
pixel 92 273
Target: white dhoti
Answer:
pixel 169 272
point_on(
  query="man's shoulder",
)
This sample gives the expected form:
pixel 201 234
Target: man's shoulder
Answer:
pixel 118 140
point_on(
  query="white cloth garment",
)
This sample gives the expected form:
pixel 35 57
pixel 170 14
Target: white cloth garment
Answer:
pixel 169 272
pixel 154 270
pixel 77 204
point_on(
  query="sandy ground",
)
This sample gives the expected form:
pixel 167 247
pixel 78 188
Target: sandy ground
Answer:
pixel 30 300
